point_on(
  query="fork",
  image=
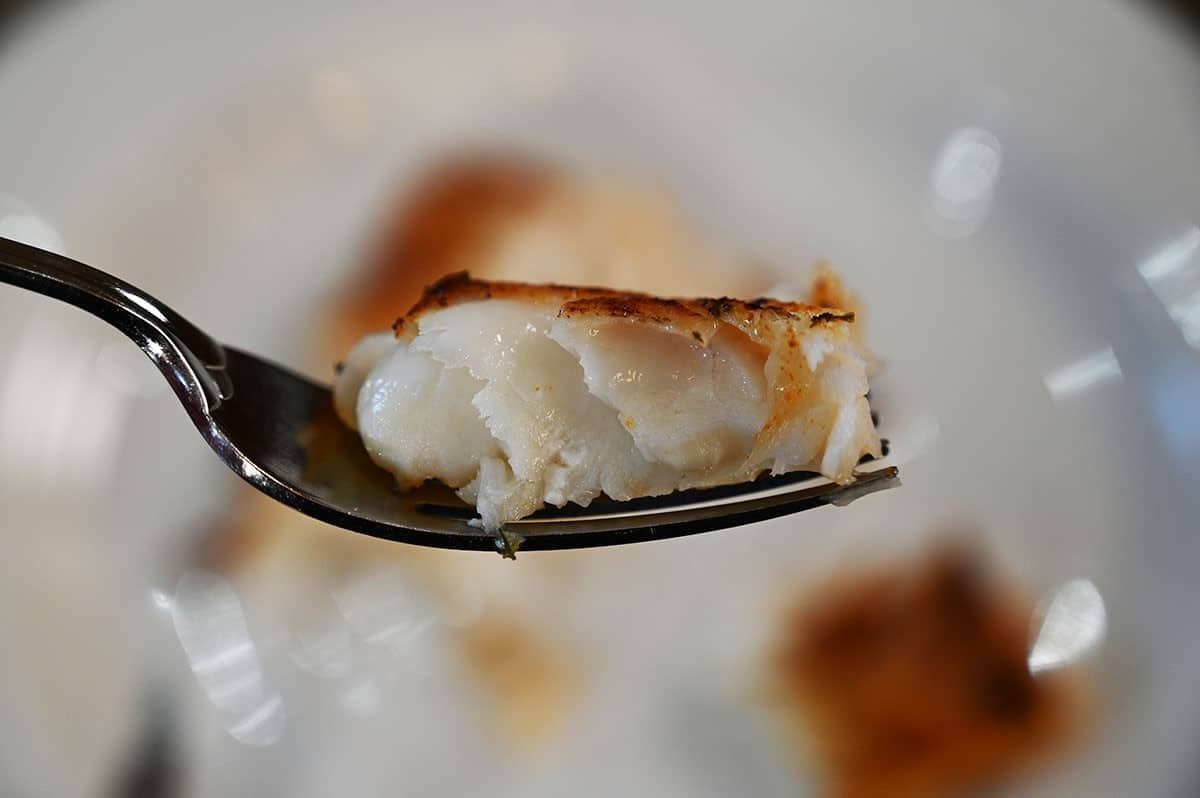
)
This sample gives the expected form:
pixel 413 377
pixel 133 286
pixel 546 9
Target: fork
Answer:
pixel 277 430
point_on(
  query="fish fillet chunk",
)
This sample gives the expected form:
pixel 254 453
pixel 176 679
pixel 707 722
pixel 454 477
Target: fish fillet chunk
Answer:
pixel 520 395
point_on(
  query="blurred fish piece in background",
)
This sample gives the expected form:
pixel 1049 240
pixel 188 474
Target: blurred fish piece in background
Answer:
pixel 915 679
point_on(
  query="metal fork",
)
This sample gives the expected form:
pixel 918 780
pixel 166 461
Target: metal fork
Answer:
pixel 278 431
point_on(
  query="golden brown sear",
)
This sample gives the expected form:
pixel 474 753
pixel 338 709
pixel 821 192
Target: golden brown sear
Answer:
pixel 696 316
pixel 828 290
pixel 915 683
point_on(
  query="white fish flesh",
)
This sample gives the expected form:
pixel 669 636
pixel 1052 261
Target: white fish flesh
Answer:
pixel 521 395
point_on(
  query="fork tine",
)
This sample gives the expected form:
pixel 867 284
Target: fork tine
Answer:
pixel 555 533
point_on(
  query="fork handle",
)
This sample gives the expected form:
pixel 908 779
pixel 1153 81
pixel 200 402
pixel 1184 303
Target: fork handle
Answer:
pixel 190 359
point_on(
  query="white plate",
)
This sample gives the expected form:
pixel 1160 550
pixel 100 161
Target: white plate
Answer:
pixel 1013 188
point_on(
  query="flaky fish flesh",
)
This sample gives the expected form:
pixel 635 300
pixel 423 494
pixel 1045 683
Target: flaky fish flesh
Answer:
pixel 521 395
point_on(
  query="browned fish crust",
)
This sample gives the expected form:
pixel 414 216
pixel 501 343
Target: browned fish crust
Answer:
pixel 692 316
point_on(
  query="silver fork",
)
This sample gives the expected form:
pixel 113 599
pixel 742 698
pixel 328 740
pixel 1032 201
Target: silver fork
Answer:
pixel 277 430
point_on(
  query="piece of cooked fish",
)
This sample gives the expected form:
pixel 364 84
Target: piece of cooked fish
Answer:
pixel 521 395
